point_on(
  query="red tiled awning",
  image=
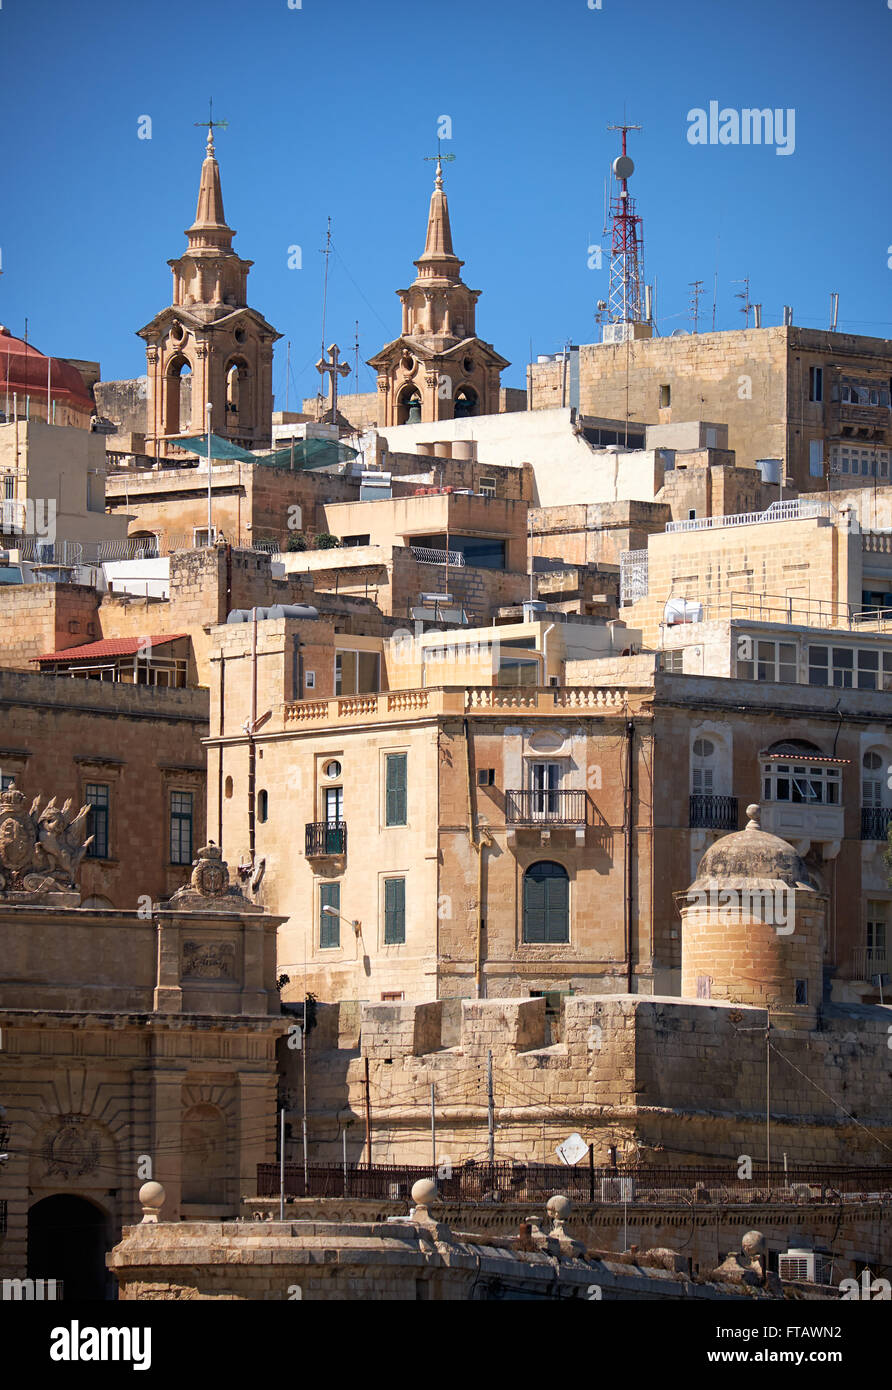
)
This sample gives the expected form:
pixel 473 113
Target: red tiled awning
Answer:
pixel 111 646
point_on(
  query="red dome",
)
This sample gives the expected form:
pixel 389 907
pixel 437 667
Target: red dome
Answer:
pixel 23 372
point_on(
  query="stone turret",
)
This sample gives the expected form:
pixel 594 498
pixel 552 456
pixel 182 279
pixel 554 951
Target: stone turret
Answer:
pixel 753 926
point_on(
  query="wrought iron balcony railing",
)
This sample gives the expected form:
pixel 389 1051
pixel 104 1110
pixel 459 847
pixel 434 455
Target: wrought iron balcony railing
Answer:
pixel 326 838
pixel 875 822
pixel 713 812
pixel 548 807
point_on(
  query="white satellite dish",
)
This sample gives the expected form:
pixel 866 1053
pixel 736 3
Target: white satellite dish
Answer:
pixel 572 1150
pixel 623 167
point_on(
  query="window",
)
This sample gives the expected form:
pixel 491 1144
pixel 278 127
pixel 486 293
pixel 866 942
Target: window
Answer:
pixel 356 673
pixel 486 777
pixel 876 936
pixel 692 514
pixel 394 911
pixel 872 780
pixel 487 487
pixel 332 769
pixel 262 806
pixel 861 668
pixel 546 903
pixel 97 796
pixel 816 383
pixel 665 397
pixel 816 458
pixel 801 996
pixel 673 661
pixel 181 827
pixel 7 780
pixel 766 661
pixel 702 774
pixel 802 783
pixel 329 927
pixel 9 487
pixel 545 781
pixel 202 537
pixel 395 789
pixel 334 805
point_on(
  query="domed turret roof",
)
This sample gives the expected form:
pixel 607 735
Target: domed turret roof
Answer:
pixel 754 857
pixel 24 372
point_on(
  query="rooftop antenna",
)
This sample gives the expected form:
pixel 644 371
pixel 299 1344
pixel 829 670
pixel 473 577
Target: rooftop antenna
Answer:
pixel 744 294
pixel 696 287
pixel 356 352
pixel 326 252
pixel 834 311
pixel 627 246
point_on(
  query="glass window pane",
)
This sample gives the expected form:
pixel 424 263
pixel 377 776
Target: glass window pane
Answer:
pixel 329 927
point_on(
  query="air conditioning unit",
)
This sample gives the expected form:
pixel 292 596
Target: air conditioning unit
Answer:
pixel 617 1189
pixel 806 1265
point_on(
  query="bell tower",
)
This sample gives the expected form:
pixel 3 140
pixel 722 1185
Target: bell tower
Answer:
pixel 438 369
pixel 209 345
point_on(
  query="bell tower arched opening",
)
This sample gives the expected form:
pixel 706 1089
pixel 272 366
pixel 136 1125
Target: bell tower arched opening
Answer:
pixel 178 395
pixel 409 407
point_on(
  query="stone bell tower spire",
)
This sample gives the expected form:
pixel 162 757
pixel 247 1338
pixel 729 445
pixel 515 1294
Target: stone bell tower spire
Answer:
pixel 209 345
pixel 438 369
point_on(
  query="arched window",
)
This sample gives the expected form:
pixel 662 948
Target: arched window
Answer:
pixel 262 806
pixel 239 411
pixel 177 395
pixel 872 779
pixel 465 402
pixel 409 407
pixel 546 903
pixel 702 769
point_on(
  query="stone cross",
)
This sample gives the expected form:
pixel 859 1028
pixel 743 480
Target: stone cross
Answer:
pixel 333 368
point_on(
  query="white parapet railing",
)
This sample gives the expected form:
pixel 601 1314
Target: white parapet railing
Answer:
pixel 428 556
pixel 799 509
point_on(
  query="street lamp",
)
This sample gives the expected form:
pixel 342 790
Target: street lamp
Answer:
pixel 209 407
pixel 330 912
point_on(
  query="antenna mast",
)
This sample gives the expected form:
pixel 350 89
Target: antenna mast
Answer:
pixel 696 287
pixel 624 298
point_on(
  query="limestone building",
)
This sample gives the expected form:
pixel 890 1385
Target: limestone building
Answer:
pixel 818 401
pixel 209 339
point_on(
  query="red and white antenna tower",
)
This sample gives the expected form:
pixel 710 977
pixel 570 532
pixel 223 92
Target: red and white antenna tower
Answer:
pixel 625 297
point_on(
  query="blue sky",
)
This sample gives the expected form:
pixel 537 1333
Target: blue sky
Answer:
pixel 331 108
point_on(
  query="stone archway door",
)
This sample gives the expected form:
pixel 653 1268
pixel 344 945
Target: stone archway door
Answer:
pixel 68 1238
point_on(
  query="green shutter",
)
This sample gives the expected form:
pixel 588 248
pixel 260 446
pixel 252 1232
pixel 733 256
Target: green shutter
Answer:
pixel 329 927
pixel 546 903
pixel 394 911
pixel 395 792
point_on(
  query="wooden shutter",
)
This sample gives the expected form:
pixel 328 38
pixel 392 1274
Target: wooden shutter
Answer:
pixel 395 789
pixel 329 927
pixel 394 911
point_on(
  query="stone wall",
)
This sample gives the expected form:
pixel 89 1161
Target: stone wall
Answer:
pixel 663 1080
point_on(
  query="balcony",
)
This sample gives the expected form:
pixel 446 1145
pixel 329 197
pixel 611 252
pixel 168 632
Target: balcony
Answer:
pixel 546 811
pixel 326 839
pixel 868 963
pixel 875 821
pixel 713 813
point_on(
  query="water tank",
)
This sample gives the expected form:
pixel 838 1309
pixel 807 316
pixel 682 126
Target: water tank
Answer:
pixel 533 608
pixel 770 470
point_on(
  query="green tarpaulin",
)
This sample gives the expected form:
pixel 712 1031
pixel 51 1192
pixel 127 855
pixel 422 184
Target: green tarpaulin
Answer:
pixel 301 453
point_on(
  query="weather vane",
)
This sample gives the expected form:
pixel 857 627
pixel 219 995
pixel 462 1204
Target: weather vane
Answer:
pixel 439 158
pixel 210 122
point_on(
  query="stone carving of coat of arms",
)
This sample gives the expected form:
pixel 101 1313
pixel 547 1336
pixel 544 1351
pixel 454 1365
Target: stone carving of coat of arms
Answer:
pixel 209 888
pixel 40 850
pixel 72 1150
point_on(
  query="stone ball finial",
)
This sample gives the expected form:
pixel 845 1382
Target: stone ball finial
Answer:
pixel 424 1193
pixel 559 1207
pixel 753 1244
pixel 151 1199
pixel 753 816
